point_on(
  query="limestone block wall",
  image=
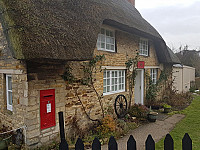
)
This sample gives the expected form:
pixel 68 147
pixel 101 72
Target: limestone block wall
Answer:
pixel 43 77
pixel 127 44
pixel 14 118
pixel 16 68
pixel 28 78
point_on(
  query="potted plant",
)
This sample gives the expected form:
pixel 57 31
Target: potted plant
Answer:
pixel 152 116
pixel 167 108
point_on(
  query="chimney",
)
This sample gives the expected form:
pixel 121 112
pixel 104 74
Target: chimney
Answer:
pixel 132 2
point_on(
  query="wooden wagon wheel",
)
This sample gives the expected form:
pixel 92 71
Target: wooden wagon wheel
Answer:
pixel 120 106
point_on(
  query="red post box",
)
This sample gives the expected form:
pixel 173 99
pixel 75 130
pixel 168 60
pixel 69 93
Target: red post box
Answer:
pixel 47 108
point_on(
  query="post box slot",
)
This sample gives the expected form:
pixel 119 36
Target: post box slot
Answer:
pixel 48 95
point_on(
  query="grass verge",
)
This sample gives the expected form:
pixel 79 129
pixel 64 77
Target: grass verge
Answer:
pixel 190 124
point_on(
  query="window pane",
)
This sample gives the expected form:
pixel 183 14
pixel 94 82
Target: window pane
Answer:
pixel 108 46
pixel 102 45
pixel 9 83
pixel 115 80
pixel 108 81
pixel 112 40
pixel 104 82
pixel 122 79
pixel 113 88
pixel 104 89
pixel 120 73
pixel 115 73
pixel 108 88
pixel 108 40
pixel 112 47
pixel 10 98
pixel 120 87
pixel 103 38
pixel 112 73
pixel 104 74
pixel 108 74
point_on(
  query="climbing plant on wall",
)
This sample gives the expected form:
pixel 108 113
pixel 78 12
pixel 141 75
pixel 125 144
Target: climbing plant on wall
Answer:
pixel 131 66
pixel 89 68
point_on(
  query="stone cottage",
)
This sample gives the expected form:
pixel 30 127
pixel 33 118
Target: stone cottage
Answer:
pixel 39 39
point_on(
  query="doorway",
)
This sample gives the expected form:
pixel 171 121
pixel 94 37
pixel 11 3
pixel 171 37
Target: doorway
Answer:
pixel 139 87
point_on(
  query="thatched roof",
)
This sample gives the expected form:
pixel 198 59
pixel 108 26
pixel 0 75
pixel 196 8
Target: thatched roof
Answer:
pixel 173 57
pixel 67 29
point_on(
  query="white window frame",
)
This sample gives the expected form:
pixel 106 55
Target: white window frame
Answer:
pixel 109 82
pixel 144 47
pixel 9 106
pixel 154 74
pixel 105 42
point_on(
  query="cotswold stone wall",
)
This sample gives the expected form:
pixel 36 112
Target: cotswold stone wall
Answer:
pixel 127 45
pixel 28 78
pixel 43 76
pixel 16 68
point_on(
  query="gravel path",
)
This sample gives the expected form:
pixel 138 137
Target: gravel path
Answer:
pixel 158 130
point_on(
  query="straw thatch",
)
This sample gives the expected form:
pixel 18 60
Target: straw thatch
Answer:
pixel 67 29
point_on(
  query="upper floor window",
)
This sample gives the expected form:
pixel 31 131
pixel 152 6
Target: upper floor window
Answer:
pixel 113 81
pixel 153 74
pixel 143 47
pixel 9 92
pixel 106 40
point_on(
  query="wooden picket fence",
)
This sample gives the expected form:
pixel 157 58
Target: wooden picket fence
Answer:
pixel 131 143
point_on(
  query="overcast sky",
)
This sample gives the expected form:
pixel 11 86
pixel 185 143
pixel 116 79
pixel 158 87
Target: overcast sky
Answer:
pixel 178 21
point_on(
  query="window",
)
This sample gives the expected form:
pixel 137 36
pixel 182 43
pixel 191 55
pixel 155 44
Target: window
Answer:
pixel 106 40
pixel 154 75
pixel 9 91
pixel 143 47
pixel 113 81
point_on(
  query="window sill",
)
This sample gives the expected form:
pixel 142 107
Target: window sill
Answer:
pixel 144 55
pixel 106 50
pixel 110 93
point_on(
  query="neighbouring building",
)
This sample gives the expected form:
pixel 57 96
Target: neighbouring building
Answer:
pixel 183 78
pixel 40 39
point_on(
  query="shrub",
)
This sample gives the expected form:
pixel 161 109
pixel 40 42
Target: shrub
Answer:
pixel 138 111
pixel 107 126
pixel 167 106
pixel 178 100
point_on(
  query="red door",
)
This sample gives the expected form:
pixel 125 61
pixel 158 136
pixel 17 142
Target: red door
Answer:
pixel 47 108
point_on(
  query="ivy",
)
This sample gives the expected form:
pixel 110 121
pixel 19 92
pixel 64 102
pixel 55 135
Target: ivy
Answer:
pixel 68 76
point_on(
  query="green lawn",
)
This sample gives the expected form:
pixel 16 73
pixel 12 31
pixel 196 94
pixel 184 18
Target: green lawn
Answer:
pixel 190 124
